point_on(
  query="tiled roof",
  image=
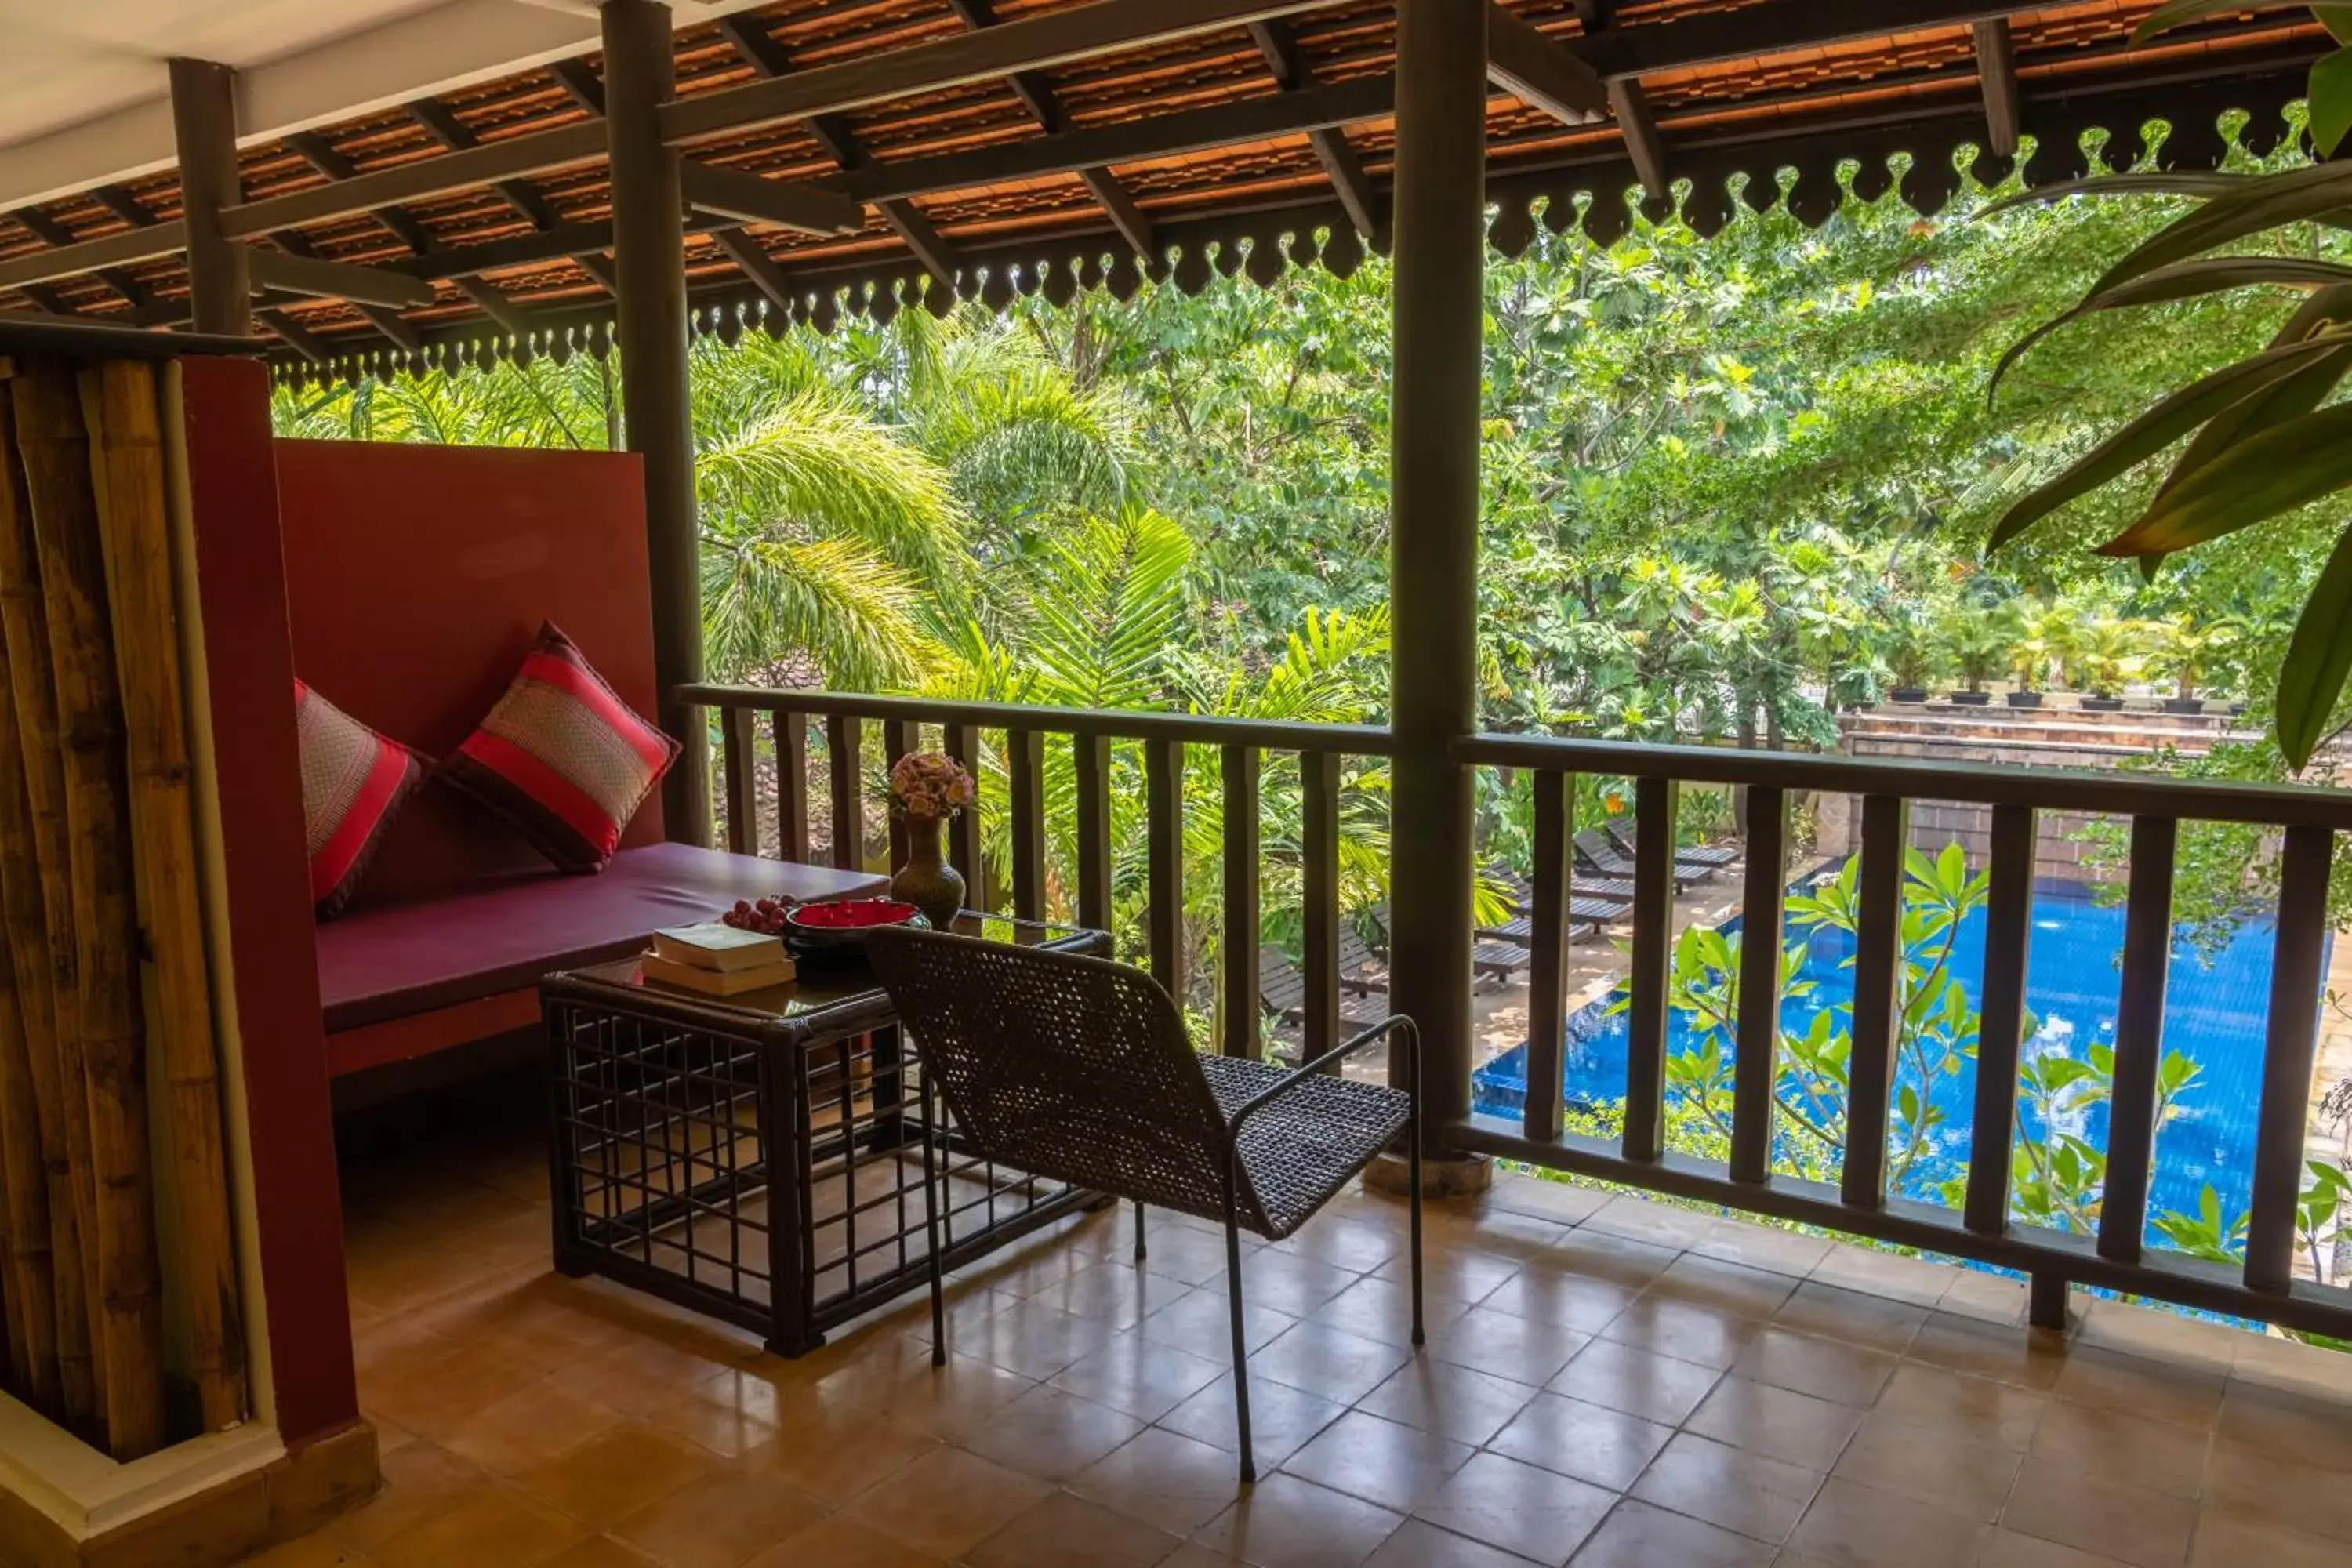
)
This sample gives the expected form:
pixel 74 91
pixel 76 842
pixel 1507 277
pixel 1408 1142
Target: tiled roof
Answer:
pixel 1913 95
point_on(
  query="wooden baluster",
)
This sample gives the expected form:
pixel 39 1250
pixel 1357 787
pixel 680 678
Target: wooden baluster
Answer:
pixel 739 760
pixel 963 834
pixel 1024 767
pixel 790 731
pixel 1877 987
pixel 1757 1070
pixel 1318 877
pixel 1163 790
pixel 843 738
pixel 1237 968
pixel 899 737
pixel 1655 806
pixel 1090 760
pixel 2139 1038
pixel 1548 983
pixel 2297 972
pixel 2009 942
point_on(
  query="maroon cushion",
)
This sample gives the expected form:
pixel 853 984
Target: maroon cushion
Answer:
pixel 393 960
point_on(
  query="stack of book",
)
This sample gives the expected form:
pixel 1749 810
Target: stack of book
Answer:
pixel 717 959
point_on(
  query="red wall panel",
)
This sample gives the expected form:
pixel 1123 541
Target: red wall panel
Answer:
pixel 415 578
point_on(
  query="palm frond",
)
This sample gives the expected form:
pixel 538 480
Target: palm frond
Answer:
pixel 764 595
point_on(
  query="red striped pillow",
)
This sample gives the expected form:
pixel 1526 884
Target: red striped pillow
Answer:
pixel 561 757
pixel 354 781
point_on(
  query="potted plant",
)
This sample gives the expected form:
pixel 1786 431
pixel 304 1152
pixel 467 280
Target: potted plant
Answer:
pixel 2029 661
pixel 2111 657
pixel 1977 640
pixel 2187 655
pixel 1913 659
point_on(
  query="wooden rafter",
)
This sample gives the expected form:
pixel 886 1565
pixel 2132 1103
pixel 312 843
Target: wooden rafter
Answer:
pixel 1643 143
pixel 748 198
pixel 764 55
pixel 2004 101
pixel 1293 73
pixel 1540 70
pixel 1033 43
pixel 1038 96
pixel 335 279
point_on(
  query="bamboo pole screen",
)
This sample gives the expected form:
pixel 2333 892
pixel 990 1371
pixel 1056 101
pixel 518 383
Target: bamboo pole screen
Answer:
pixel 105 953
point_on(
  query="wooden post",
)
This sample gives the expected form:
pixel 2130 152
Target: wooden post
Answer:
pixel 41 1234
pixel 41 945
pixel 650 255
pixel 126 1318
pixel 1441 256
pixel 123 404
pixel 204 122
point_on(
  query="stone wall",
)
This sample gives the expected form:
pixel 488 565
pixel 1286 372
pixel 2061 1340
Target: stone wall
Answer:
pixel 2004 737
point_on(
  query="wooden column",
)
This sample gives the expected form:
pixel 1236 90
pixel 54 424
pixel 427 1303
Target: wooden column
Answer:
pixel 1440 225
pixel 649 256
pixel 204 122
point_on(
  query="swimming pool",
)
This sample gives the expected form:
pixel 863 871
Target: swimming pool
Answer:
pixel 2215 1008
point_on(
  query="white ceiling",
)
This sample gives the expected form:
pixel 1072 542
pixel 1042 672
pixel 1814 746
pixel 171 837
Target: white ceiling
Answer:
pixel 84 95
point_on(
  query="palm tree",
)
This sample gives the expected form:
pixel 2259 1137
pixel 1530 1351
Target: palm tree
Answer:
pixel 845 483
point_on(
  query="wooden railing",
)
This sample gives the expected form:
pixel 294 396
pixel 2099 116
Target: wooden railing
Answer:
pixel 1860 1202
pixel 909 724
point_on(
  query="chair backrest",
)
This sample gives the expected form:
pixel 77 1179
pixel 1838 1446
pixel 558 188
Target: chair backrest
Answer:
pixel 1070 1068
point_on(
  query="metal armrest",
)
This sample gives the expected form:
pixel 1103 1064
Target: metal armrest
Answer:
pixel 1305 1070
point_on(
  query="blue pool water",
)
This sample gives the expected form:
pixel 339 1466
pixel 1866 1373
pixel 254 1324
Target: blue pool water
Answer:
pixel 2215 1009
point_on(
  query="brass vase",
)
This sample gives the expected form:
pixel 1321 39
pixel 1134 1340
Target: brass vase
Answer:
pixel 927 881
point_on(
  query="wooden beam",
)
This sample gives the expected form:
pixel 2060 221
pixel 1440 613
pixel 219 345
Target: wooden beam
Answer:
pixel 2004 101
pixel 756 264
pixel 1541 72
pixel 1104 27
pixel 388 322
pixel 749 198
pixel 123 204
pixel 494 302
pixel 453 133
pixel 427 177
pixel 1293 74
pixel 1127 217
pixel 1772 26
pixel 204 120
pixel 576 76
pixel 930 247
pixel 335 279
pixel 1127 141
pixel 1643 145
pixel 50 231
pixel 599 266
pixel 1038 98
pixel 1033 43
pixel 296 336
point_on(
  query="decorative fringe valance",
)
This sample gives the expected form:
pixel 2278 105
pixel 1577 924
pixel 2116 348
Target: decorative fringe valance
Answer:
pixel 1926 159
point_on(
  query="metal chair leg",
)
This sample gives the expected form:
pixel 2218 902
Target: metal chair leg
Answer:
pixel 931 1232
pixel 1412 1173
pixel 1241 1343
pixel 1138 1230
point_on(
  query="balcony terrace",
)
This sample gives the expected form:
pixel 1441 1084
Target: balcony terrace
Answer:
pixel 1609 1381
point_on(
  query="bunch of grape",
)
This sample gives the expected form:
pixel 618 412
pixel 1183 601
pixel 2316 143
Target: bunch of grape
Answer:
pixel 767 916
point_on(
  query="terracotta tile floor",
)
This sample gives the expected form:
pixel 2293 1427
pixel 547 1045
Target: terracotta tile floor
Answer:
pixel 1608 1382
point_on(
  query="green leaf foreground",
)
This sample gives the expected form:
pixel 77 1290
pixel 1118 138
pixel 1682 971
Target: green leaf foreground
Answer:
pixel 2185 410
pixel 2317 660
pixel 2307 459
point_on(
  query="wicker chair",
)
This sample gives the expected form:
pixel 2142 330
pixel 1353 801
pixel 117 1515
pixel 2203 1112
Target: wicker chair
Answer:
pixel 1080 1071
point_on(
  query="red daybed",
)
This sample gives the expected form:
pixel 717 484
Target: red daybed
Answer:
pixel 415 577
